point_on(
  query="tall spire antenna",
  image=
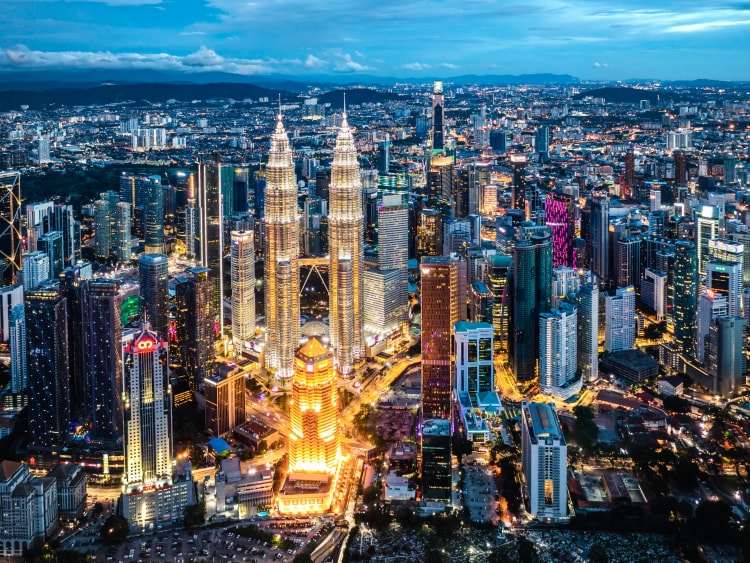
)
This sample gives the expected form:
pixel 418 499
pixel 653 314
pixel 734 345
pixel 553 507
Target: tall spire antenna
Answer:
pixel 279 105
pixel 344 104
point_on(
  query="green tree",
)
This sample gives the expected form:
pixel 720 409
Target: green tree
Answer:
pixel 587 432
pixel 302 558
pixel 195 514
pixel 115 530
pixel 98 509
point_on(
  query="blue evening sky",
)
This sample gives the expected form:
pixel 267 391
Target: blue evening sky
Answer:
pixel 591 39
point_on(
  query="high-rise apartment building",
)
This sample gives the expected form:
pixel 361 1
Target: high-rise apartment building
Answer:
pixel 544 457
pixel 51 243
pixel 587 300
pixel 243 288
pixel 558 351
pixel 103 234
pixel 440 311
pixel 280 253
pixel 619 328
pixel 48 368
pixel 628 262
pixel 346 247
pixel 10 227
pixel 19 361
pixel 153 275
pixel 35 269
pixel 532 295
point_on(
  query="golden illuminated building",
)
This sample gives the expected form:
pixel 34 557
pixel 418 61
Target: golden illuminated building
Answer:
pixel 281 252
pixel 346 245
pixel 314 435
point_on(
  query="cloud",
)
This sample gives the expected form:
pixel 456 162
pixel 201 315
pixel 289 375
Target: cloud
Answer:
pixel 600 65
pixel 21 57
pixel 449 66
pixel 314 62
pixel 415 66
pixel 126 2
pixel 346 64
pixel 203 57
pixel 705 26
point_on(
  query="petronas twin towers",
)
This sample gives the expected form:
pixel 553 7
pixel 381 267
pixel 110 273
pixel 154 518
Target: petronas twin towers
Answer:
pixel 281 251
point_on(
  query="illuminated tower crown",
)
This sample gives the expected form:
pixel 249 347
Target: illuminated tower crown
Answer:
pixel 346 241
pixel 281 251
pixel 314 438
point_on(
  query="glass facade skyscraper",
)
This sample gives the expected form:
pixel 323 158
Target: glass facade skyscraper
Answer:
pixel 685 295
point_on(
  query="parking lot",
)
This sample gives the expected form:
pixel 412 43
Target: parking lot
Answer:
pixel 239 542
pixel 480 493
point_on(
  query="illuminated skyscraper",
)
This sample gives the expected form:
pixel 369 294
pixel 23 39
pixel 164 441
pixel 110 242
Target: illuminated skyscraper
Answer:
pixel 532 295
pixel 499 269
pixel 587 300
pixel 243 288
pixel 103 234
pixel 196 330
pixel 429 233
pixel 707 219
pixel 101 331
pixel 560 214
pixel 210 245
pixel 122 232
pixel 314 440
pixel 438 113
pixel 685 295
pixel 153 275
pixel 35 269
pixel 10 227
pixel 153 215
pixel 599 238
pixel 558 351
pixel 440 310
pixel 346 246
pixel 281 252
pixel 619 328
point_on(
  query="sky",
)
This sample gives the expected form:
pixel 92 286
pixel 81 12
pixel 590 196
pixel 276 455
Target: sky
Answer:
pixel 589 39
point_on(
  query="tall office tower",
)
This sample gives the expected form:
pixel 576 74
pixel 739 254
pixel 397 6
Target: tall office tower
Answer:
pixel 63 220
pixel 194 297
pixel 438 117
pixel 51 244
pixel 628 262
pixel 558 352
pixel 147 410
pixel 478 178
pixel 441 180
pixel 680 169
pixel 707 218
pixel 370 215
pixel 35 269
pixel 37 222
pixel 725 279
pixel 532 295
pixel 654 292
pixel 544 457
pixel 102 358
pixel 519 195
pixel 384 153
pixel 619 327
pixel 10 227
pixel 122 238
pixel 345 243
pixel 154 217
pixel 599 237
pixel 565 283
pixel 429 233
pixel 587 300
pixel 727 360
pixel 440 310
pixel 225 399
pixel 227 191
pixel 210 247
pixel 499 271
pixel 280 254
pixel 456 236
pixel 685 295
pixel 153 275
pixel 314 434
pixel 628 178
pixel 103 234
pixel 393 234
pixel 10 296
pixel 481 303
pixel 19 366
pixel 241 190
pixel 436 460
pixel 541 143
pixel 744 240
pixel 385 312
pixel 710 306
pixel 727 250
pixel 498 140
pixel 47 348
pixel 474 359
pixel 243 289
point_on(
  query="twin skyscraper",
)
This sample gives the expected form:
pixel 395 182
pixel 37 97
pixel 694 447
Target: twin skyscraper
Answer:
pixel 281 254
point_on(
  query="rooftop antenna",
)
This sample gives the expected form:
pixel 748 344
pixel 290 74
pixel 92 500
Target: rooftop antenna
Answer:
pixel 279 105
pixel 344 105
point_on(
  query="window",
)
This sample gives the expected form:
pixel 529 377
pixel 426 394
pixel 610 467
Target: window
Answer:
pixel 549 492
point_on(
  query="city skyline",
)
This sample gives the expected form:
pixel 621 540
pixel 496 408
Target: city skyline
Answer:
pixel 590 40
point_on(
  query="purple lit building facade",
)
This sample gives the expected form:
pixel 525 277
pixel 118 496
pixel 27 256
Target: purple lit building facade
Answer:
pixel 560 217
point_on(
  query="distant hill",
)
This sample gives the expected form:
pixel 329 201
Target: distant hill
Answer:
pixel 146 93
pixel 356 96
pixel 627 95
pixel 514 79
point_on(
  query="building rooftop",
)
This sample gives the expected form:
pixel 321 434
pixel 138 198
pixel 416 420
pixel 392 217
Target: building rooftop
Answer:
pixel 465 326
pixel 542 421
pixel 313 350
pixel 436 427
pixel 634 359
pixel 8 469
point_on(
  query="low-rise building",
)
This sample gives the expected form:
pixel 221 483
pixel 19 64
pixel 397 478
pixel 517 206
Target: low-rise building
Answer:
pixel 398 488
pixel 670 386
